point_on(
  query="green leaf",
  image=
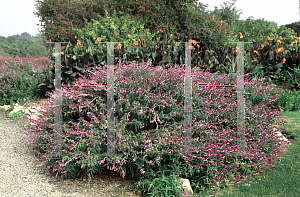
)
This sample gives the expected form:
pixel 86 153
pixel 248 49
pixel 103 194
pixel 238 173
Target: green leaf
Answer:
pixel 154 55
pixel 69 72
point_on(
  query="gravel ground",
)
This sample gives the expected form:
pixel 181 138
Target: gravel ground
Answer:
pixel 20 175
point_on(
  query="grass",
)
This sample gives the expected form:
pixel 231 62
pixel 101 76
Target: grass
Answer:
pixel 282 180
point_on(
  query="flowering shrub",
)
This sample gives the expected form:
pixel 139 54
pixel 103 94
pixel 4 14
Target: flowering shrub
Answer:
pixel 149 129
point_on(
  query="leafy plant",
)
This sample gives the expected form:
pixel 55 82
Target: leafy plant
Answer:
pixel 122 29
pixel 14 115
pixel 258 30
pixel 161 186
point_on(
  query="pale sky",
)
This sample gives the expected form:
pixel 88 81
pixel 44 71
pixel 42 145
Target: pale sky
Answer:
pixel 16 16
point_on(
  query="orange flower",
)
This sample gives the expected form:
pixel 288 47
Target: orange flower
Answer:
pixel 241 35
pixel 236 49
pixel 262 46
pixel 171 35
pixel 254 51
pixel 191 47
pixel 280 38
pixel 208 51
pixel 284 60
pixel 280 49
pixel 78 42
pixel 135 43
pixel 119 46
pixel 278 42
pixel 268 39
pixel 193 41
pixel 293 43
pixel 158 38
pixel 296 38
pixel 139 39
pixel 159 31
pixel 99 39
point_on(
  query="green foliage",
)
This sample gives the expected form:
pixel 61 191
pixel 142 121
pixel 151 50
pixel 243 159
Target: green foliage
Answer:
pixel 227 13
pixel 114 29
pixel 268 55
pixel 294 26
pixel 173 17
pixel 288 35
pixel 259 30
pixel 23 45
pixel 2 52
pixel 290 101
pixel 161 186
pixel 67 15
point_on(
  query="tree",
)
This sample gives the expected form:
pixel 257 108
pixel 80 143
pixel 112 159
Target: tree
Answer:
pixel 11 39
pixel 61 17
pixel 227 13
pixel 36 50
pixel 2 52
pixel 23 45
pixel 177 16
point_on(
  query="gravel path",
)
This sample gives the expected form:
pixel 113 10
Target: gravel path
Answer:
pixel 20 175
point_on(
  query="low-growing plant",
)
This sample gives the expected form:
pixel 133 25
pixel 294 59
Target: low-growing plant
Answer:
pixel 14 115
pixel 149 129
pixel 20 78
pixel 290 101
pixel 164 186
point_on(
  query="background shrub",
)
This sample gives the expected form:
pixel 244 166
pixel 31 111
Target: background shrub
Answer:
pixel 259 30
pixel 112 28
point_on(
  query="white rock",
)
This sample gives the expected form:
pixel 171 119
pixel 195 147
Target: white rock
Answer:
pixel 30 112
pixel 186 185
